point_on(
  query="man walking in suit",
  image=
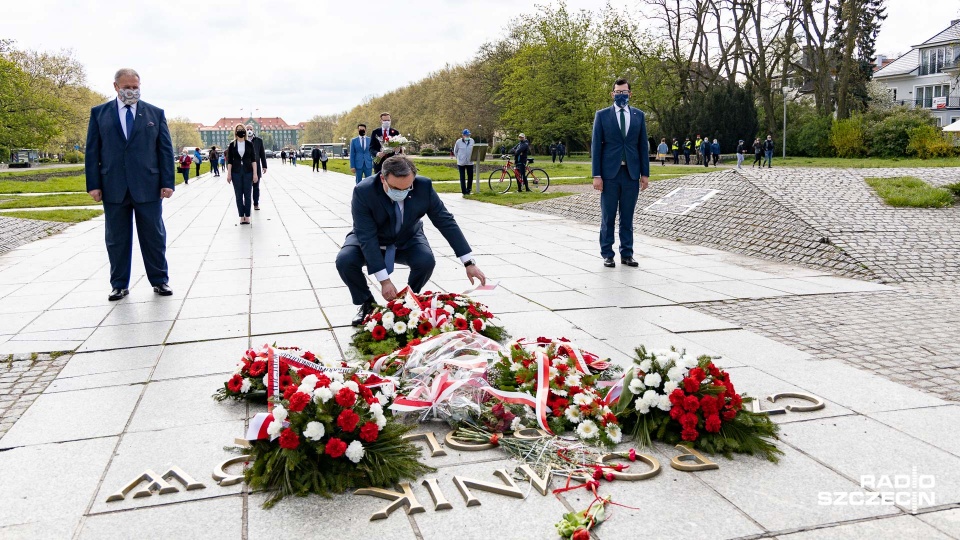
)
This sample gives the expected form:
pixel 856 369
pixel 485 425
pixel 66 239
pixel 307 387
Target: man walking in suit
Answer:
pixel 378 138
pixel 621 169
pixel 260 158
pixel 315 155
pixel 387 211
pixel 361 162
pixel 129 166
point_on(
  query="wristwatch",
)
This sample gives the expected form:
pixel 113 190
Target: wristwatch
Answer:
pixel 469 263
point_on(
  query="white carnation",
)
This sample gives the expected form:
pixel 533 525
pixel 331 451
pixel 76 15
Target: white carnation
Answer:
pixel 275 428
pixel 516 424
pixel 460 316
pixel 381 420
pixel 352 385
pixel 646 366
pixel 637 386
pixel 370 326
pixel 388 319
pixel 664 404
pixel 314 431
pixel 676 373
pixel 335 386
pixel 245 386
pixel 279 413
pixel 376 408
pixel 587 429
pixel 651 397
pixel 515 366
pixel 652 380
pixel 336 376
pixel 322 395
pixel 641 406
pixel 614 432
pixel 265 380
pixel 355 451
pixel 400 327
pixel 670 386
pixel 308 384
pixel 673 355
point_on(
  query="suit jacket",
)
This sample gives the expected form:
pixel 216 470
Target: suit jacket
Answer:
pixel 521 151
pixel 359 159
pixel 246 162
pixel 374 220
pixel 142 165
pixel 375 137
pixel 261 156
pixel 315 153
pixel 609 145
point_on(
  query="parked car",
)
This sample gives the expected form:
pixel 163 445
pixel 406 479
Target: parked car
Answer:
pixel 269 153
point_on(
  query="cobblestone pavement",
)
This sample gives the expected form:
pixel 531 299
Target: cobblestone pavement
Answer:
pixel 22 379
pixel 16 232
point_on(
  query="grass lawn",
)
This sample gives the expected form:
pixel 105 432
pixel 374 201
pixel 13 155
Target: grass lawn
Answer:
pixel 41 201
pixel 44 181
pixel 13 173
pixel 865 163
pixel 907 191
pixel 63 216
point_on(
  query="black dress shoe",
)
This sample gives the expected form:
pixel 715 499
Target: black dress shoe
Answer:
pixel 366 308
pixel 163 290
pixel 608 262
pixel 629 262
pixel 117 294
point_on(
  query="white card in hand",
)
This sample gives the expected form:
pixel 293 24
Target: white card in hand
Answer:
pixel 481 290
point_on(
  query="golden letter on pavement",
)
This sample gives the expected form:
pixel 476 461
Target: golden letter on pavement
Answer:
pixel 701 462
pixel 464 484
pixel 439 501
pixel 435 449
pixel 406 498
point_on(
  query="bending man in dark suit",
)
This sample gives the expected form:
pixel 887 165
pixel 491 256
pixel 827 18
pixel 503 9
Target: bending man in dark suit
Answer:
pixel 129 166
pixel 387 208
pixel 621 156
pixel 260 157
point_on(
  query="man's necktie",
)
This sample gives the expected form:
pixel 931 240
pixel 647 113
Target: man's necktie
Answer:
pixel 391 254
pixel 623 132
pixel 129 119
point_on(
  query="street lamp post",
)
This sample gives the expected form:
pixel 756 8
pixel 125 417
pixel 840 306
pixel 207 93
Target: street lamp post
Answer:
pixel 784 122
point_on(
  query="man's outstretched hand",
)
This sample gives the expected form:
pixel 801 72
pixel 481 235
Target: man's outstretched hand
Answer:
pixel 388 290
pixel 474 273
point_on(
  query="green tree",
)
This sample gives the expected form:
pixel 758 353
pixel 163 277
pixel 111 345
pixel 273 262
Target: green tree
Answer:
pixel 183 133
pixel 29 117
pixel 726 112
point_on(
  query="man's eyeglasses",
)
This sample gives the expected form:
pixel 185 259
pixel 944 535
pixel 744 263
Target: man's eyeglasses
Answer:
pixel 621 92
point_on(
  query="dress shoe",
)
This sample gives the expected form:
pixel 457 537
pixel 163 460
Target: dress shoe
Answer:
pixel 117 294
pixel 608 262
pixel 256 207
pixel 163 290
pixel 366 308
pixel 629 262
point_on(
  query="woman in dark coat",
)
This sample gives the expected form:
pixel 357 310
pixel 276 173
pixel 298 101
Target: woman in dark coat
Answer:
pixel 241 172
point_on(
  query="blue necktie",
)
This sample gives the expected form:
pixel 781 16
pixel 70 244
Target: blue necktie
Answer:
pixel 391 254
pixel 129 120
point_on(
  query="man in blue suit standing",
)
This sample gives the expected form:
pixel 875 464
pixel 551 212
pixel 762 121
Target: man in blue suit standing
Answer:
pixel 361 162
pixel 129 166
pixel 387 211
pixel 621 169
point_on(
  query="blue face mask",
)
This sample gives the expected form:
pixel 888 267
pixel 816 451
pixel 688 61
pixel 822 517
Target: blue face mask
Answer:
pixel 621 100
pixel 397 195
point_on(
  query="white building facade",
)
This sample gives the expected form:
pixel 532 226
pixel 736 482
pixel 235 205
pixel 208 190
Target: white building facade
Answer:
pixel 928 76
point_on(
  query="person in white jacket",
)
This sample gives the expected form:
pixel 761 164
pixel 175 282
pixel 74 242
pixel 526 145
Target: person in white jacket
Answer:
pixel 463 150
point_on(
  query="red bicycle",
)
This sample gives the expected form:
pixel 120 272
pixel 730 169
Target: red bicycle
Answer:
pixel 501 180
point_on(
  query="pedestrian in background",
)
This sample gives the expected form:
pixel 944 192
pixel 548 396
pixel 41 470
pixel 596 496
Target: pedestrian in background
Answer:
pixel 242 171
pixel 553 152
pixel 675 148
pixel 768 150
pixel 662 152
pixel 687 149
pixel 323 159
pixel 757 153
pixel 715 150
pixel 197 159
pixel 463 150
pixel 741 150
pixel 185 161
pixel 214 157
pixel 283 157
pixel 315 156
pixel 521 152
pixel 221 163
pixel 561 151
pixel 704 152
pixel 698 149
pixel 293 157
pixel 361 161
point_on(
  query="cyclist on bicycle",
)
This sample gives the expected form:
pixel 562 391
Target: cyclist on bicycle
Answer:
pixel 520 153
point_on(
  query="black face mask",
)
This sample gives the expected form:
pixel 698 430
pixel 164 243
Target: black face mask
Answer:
pixel 241 134
pixel 362 132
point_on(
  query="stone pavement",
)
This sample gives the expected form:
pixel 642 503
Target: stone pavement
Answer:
pixel 136 394
pixel 16 232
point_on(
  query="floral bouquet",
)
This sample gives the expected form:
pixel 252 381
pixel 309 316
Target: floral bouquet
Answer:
pixel 327 435
pixel 391 145
pixel 249 379
pixel 418 316
pixel 669 397
pixel 577 525
pixel 560 382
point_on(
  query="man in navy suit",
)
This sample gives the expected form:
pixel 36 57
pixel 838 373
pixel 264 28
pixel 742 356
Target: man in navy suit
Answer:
pixel 129 166
pixel 387 208
pixel 361 162
pixel 621 169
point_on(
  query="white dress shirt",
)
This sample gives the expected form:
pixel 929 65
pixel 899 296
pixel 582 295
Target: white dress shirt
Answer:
pixel 122 109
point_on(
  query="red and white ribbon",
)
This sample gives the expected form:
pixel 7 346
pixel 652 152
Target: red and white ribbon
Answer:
pixel 258 426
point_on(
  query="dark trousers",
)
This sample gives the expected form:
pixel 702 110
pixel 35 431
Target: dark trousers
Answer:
pixel 686 158
pixel 561 158
pixel 215 167
pixel 283 159
pixel 554 157
pixel 619 194
pixel 119 238
pixel 522 168
pixel 757 158
pixel 466 178
pixel 676 157
pixel 242 184
pixel 316 165
pixel 324 164
pixel 706 160
pixel 350 262
pixel 716 158
pixel 198 170
pixel 186 173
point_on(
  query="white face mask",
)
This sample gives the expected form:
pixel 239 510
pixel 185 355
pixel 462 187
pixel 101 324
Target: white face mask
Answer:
pixel 249 133
pixel 385 125
pixel 129 96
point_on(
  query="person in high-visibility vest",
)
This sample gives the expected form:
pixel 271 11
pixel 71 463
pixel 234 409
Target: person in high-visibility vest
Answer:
pixel 697 146
pixel 676 151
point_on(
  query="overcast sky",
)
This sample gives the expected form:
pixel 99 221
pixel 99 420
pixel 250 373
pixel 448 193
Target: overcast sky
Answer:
pixel 209 59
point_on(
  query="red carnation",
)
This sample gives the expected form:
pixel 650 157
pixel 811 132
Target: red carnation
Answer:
pixel 322 381
pixel 235 383
pixel 348 420
pixel 558 412
pixel 676 413
pixel 676 397
pixel 346 397
pixel 736 401
pixel 365 393
pixel 713 423
pixel 289 391
pixel 289 439
pixel 729 414
pixel 691 385
pixel 460 324
pixel 245 367
pixel 378 316
pixel 335 447
pixel 487 315
pixel 369 432
pixel 379 332
pixel 558 380
pixel 689 434
pixel 688 420
pixel 251 353
pixel 477 325
pixel 424 328
pixel 414 341
pixel 709 405
pixel 298 401
pixel 309 356
pixel 691 403
pixel 257 369
pixel 698 374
